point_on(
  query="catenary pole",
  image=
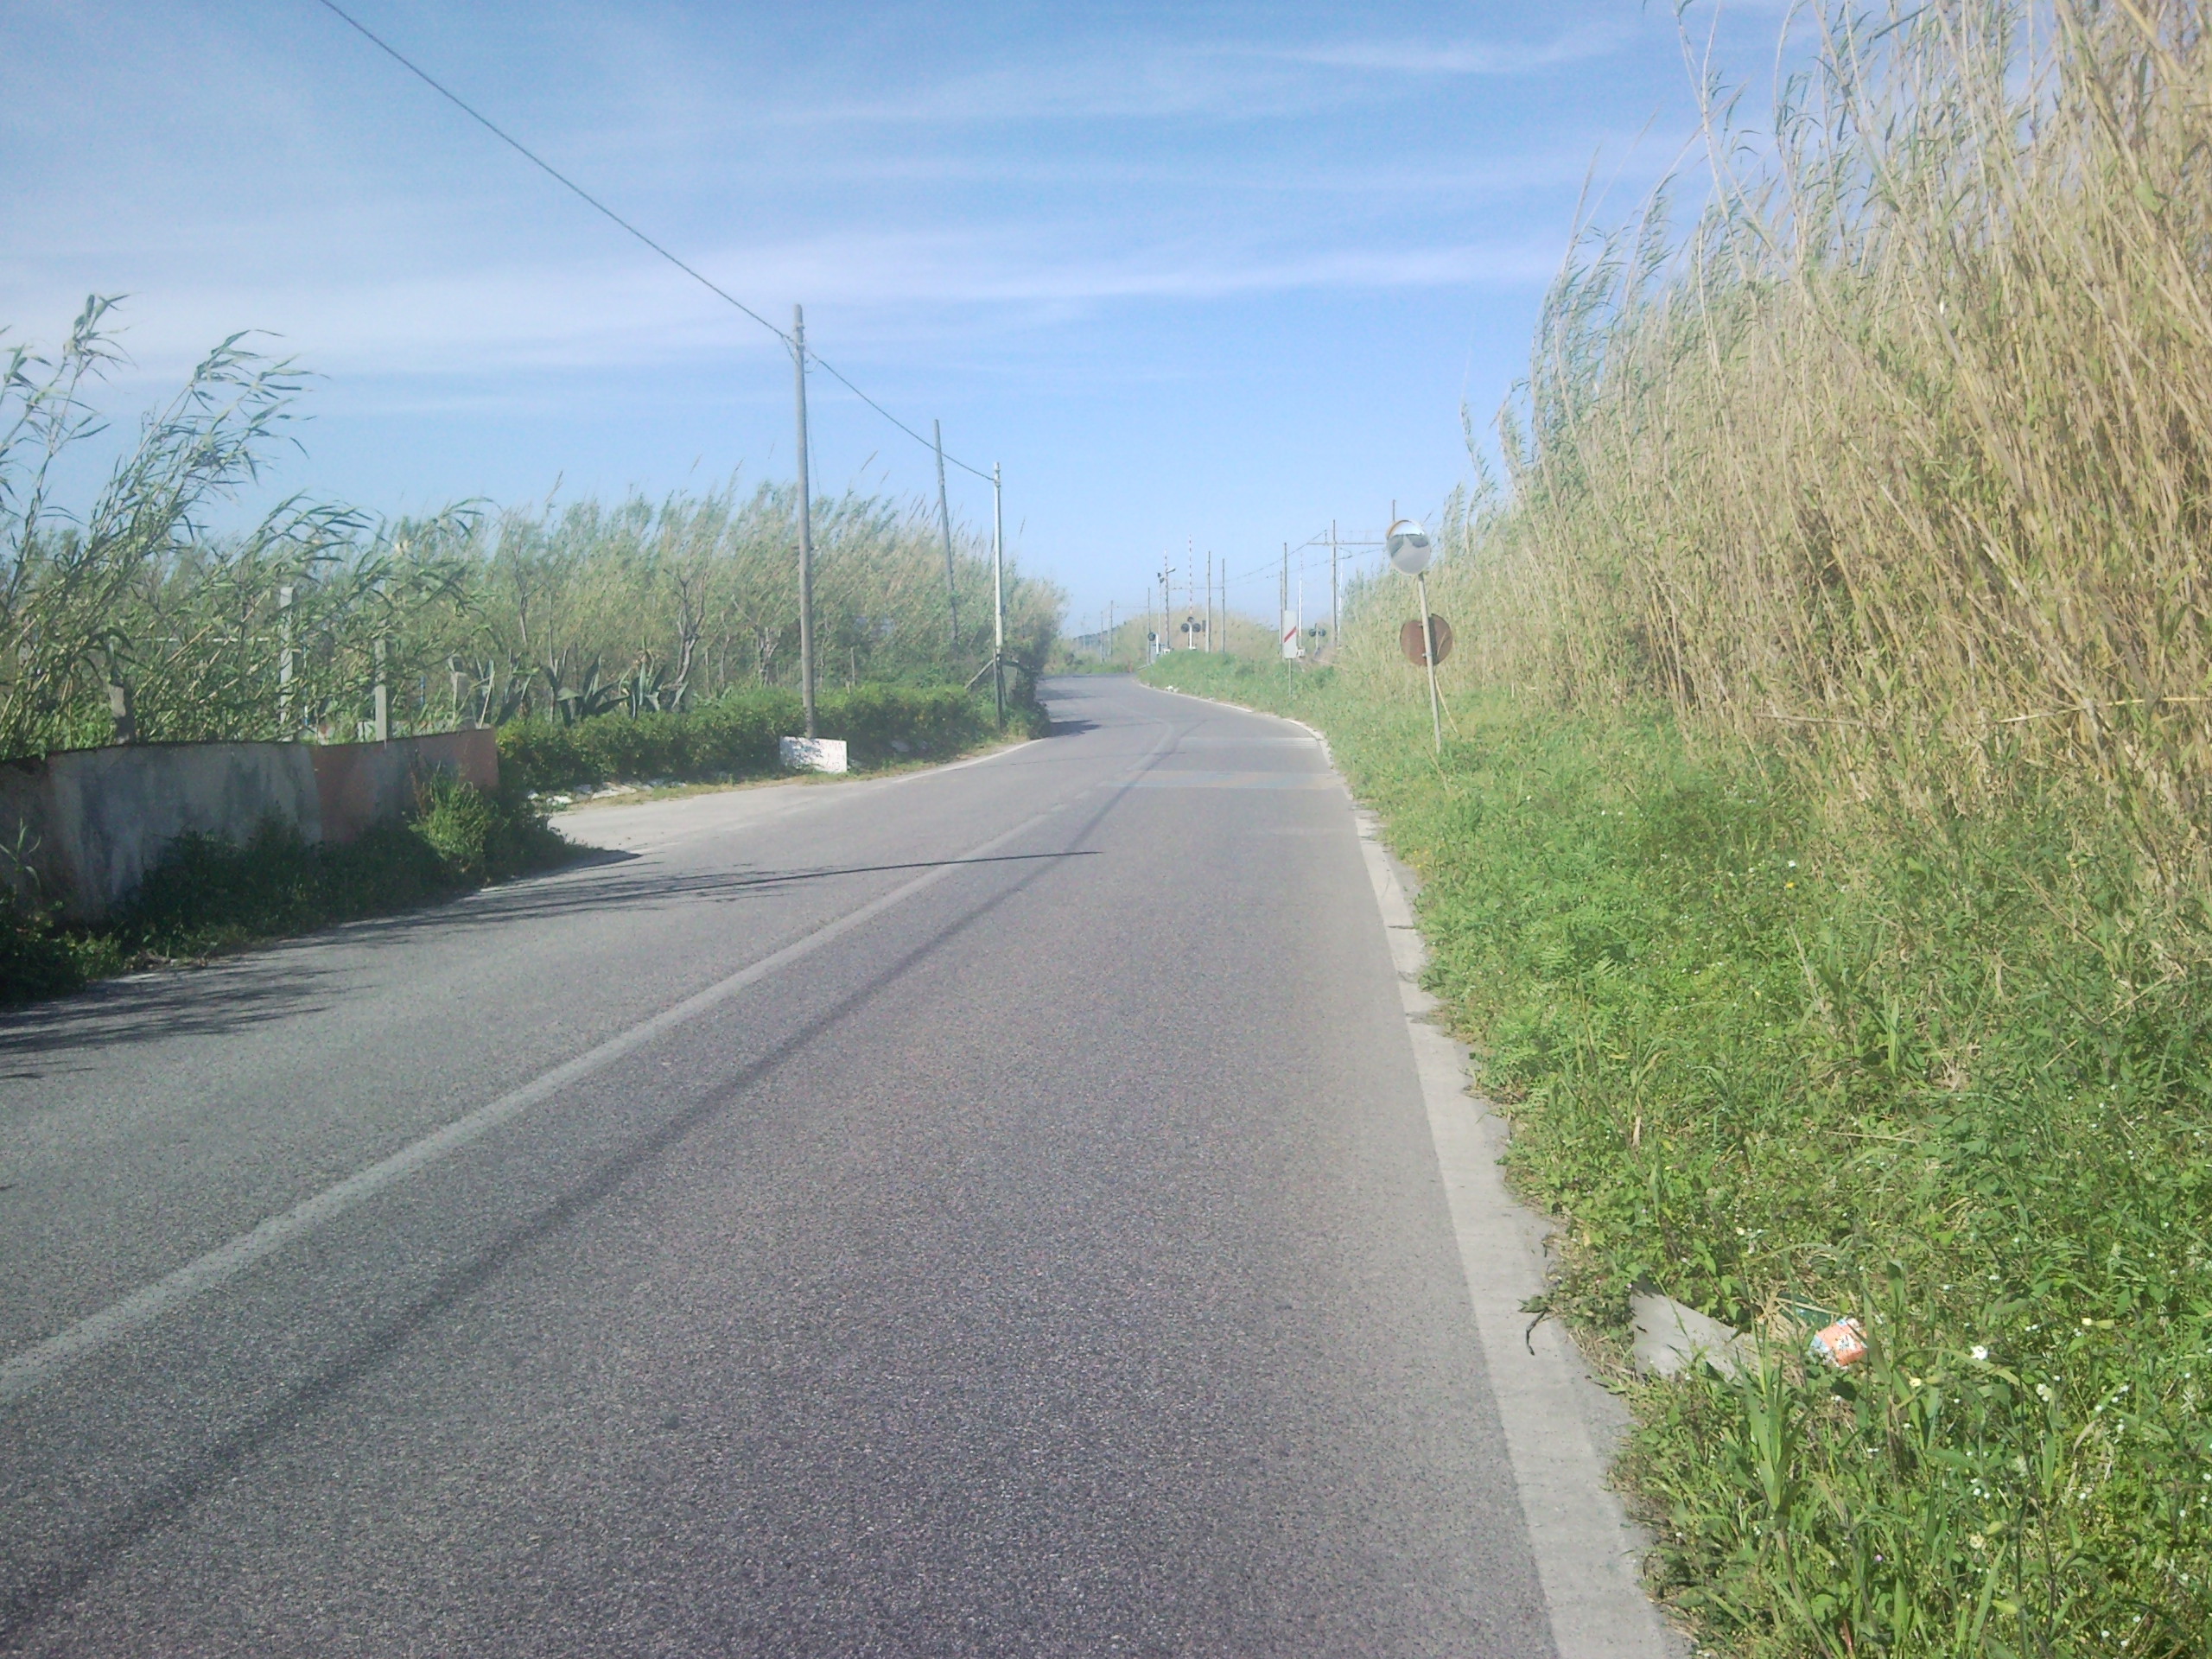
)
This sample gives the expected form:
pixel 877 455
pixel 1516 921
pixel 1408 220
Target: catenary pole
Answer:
pixel 805 528
pixel 945 523
pixel 1336 616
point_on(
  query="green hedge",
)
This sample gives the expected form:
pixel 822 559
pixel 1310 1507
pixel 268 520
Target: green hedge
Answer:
pixel 735 736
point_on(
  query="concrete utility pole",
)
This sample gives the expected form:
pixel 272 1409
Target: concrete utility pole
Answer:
pixel 382 706
pixel 121 707
pixel 805 528
pixel 1210 640
pixel 998 593
pixel 945 522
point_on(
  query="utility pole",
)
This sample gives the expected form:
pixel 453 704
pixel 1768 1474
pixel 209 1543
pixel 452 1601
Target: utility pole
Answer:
pixel 945 522
pixel 805 528
pixel 1109 633
pixel 381 706
pixel 998 593
pixel 1210 645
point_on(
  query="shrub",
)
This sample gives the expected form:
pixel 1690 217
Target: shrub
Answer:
pixel 736 736
pixel 480 837
pixel 37 959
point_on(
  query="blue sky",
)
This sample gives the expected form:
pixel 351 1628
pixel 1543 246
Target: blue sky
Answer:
pixel 1192 273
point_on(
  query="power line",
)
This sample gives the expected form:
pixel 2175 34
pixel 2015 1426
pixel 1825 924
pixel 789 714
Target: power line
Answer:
pixel 830 369
pixel 538 161
pixel 601 208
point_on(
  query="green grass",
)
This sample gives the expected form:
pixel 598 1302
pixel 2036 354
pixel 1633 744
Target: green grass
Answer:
pixel 1780 1078
pixel 208 895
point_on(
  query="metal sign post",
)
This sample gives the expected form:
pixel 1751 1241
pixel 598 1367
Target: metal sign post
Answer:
pixel 1411 552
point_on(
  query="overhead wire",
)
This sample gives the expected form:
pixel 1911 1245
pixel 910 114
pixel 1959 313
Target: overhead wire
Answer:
pixel 607 212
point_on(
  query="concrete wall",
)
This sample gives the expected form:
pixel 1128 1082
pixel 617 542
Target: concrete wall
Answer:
pixel 361 784
pixel 82 828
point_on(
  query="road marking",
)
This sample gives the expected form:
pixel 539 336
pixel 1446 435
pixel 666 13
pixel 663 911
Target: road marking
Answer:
pixel 42 1361
pixel 1197 780
pixel 1585 1547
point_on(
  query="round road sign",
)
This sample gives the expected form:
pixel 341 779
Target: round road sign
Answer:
pixel 1416 648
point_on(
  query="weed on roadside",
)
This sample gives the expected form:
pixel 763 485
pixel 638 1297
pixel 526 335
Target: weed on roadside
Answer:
pixel 208 895
pixel 1782 1077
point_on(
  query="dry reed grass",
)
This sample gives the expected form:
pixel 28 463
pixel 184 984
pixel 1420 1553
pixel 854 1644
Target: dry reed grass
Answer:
pixel 1897 459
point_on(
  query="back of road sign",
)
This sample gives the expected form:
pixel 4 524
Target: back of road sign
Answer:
pixel 1416 648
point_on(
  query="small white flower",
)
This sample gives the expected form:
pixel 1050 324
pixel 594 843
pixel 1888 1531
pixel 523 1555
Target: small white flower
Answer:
pixel 2043 1391
pixel 1980 1352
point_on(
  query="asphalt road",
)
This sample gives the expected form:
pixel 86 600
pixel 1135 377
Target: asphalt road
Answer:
pixel 987 1210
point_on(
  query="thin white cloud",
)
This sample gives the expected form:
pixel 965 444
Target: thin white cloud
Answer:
pixel 610 313
pixel 1219 80
pixel 1406 57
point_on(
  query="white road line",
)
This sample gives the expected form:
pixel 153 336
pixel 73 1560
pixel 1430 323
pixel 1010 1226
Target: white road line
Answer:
pixel 43 1361
pixel 1586 1551
pixel 1585 1547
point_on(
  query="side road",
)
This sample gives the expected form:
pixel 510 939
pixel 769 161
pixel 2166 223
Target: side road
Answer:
pixel 993 1210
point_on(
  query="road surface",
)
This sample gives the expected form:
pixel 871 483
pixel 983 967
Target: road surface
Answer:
pixel 987 1210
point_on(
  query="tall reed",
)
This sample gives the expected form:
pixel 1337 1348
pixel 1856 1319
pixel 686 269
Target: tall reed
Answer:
pixel 1898 457
pixel 131 605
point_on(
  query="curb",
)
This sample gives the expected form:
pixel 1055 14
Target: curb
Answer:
pixel 1587 1551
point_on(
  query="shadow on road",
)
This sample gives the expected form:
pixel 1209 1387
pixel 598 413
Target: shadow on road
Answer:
pixel 152 1007
pixel 280 981
pixel 104 1526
